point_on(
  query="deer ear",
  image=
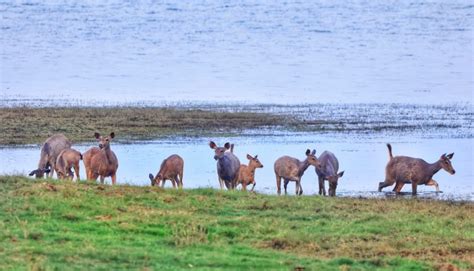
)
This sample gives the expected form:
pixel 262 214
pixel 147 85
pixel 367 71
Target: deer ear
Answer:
pixel 340 174
pixel 256 156
pixel 450 156
pixel 97 135
pixel 227 145
pixel 443 156
pixel 249 157
pixel 212 145
pixel 33 172
pixel 112 135
pixel 308 152
pixel 151 177
pixel 313 152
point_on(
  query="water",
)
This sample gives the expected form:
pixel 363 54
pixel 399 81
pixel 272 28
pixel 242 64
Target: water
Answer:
pixel 96 52
pixel 363 159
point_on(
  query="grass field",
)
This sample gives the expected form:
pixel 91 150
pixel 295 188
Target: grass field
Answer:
pixel 56 225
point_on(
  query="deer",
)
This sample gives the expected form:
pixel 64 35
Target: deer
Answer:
pixel 228 165
pixel 247 172
pixel 292 169
pixel 171 169
pixel 328 171
pixel 50 150
pixel 67 159
pixel 404 169
pixel 101 161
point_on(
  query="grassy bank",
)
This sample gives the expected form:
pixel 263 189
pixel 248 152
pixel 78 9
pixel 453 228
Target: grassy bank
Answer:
pixel 23 125
pixel 46 224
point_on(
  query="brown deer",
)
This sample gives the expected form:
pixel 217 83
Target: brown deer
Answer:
pixel 49 154
pixel 171 169
pixel 228 165
pixel 247 172
pixel 67 159
pixel 404 169
pixel 101 161
pixel 328 171
pixel 292 169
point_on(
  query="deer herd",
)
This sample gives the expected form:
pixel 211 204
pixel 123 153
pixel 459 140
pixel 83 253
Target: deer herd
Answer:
pixel 58 156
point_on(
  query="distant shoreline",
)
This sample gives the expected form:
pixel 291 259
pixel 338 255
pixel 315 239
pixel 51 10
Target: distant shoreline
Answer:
pixel 32 125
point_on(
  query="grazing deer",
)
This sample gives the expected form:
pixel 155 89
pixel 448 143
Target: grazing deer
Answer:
pixel 247 172
pixel 292 169
pixel 49 154
pixel 171 169
pixel 67 159
pixel 101 161
pixel 404 169
pixel 328 171
pixel 228 165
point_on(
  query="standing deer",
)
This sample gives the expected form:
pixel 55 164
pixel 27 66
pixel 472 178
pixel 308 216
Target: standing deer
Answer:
pixel 101 161
pixel 228 165
pixel 171 169
pixel 328 171
pixel 404 169
pixel 247 172
pixel 67 159
pixel 49 153
pixel 292 169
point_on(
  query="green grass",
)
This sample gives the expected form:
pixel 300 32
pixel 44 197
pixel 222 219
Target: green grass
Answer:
pixel 26 125
pixel 57 225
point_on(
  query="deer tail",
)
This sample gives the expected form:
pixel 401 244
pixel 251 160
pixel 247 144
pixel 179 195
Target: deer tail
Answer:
pixel 390 155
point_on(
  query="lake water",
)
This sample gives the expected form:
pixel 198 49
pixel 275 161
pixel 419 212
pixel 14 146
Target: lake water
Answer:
pixel 362 158
pixel 115 52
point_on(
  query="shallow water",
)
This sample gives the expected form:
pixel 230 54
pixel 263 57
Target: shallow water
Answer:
pixel 107 52
pixel 362 158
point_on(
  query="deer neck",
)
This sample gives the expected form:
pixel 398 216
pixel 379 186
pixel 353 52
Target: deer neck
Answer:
pixel 434 168
pixel 108 153
pixel 303 166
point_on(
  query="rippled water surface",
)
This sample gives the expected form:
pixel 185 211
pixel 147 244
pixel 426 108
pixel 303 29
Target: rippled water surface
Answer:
pixel 363 160
pixel 262 51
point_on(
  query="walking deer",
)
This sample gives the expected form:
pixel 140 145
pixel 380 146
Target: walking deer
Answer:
pixel 171 169
pixel 292 169
pixel 328 171
pixel 247 172
pixel 404 169
pixel 101 161
pixel 50 150
pixel 228 165
pixel 67 159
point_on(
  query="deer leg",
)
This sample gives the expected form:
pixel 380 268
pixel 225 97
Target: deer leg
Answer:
pixel 285 185
pixel 114 179
pixel 180 180
pixel 414 186
pixel 76 170
pixel 387 182
pixel 102 179
pixel 398 187
pixel 163 181
pixel 278 183
pixel 253 186
pixel 433 183
pixel 244 185
pixel 221 183
pixel 300 188
pixel 322 188
pixel 175 182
